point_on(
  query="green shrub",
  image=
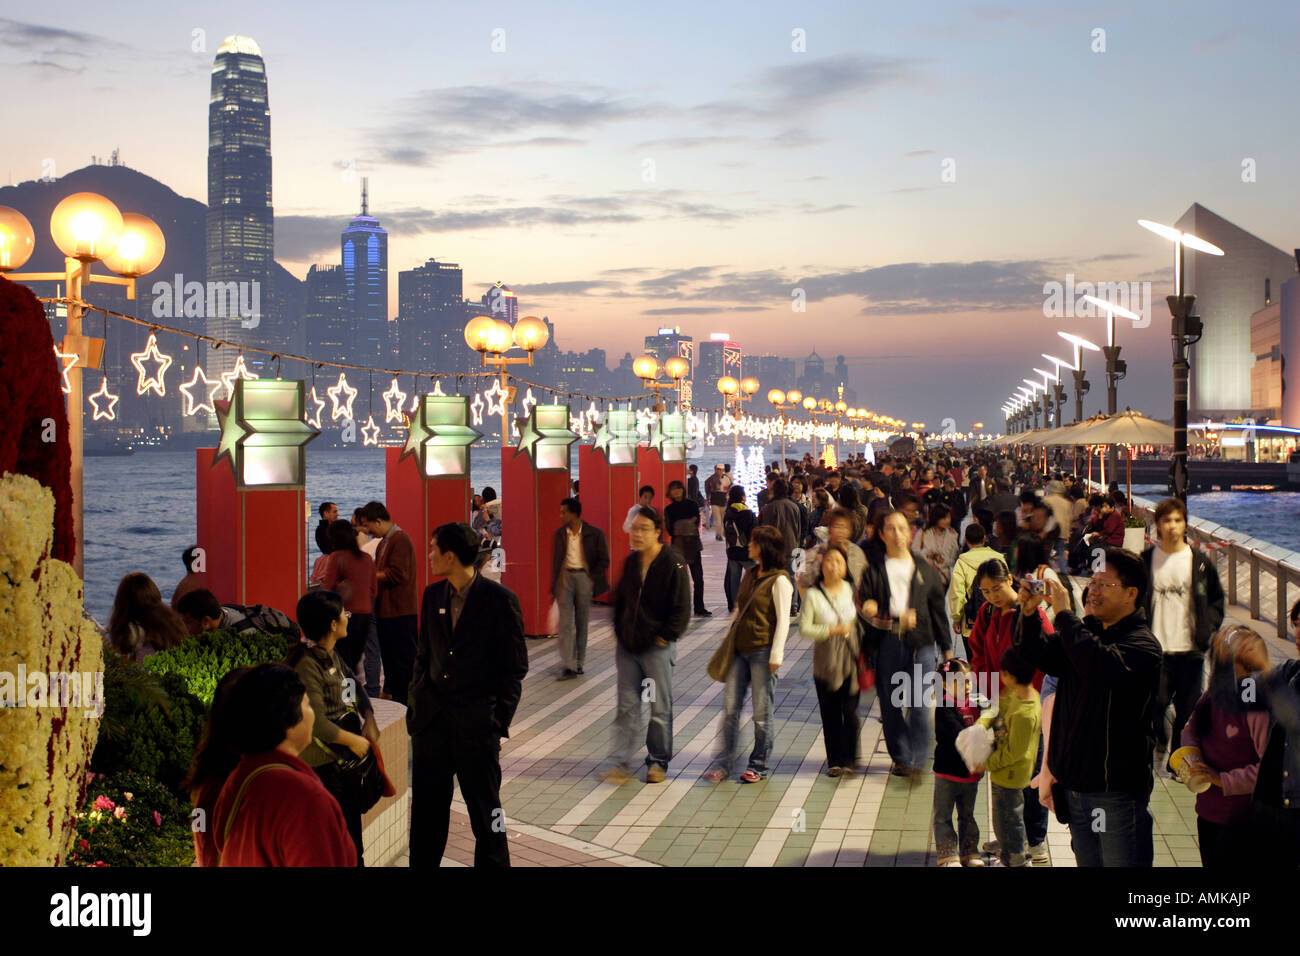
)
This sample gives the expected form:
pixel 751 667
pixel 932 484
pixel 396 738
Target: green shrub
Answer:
pixel 151 723
pixel 1133 521
pixel 204 659
pixel 130 819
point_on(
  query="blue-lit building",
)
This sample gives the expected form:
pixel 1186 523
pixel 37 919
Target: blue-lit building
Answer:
pixel 365 276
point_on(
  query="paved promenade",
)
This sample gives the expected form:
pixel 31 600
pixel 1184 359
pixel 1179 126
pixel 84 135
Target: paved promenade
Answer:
pixel 561 814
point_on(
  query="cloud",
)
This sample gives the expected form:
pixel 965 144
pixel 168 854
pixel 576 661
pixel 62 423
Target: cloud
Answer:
pixel 710 310
pixel 15 33
pixel 920 152
pixel 815 82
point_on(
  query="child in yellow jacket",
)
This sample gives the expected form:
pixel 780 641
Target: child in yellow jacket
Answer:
pixel 1011 765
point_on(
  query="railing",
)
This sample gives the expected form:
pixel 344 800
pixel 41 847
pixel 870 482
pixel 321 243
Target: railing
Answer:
pixel 1257 574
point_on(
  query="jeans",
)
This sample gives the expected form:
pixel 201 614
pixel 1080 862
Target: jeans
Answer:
pixel 1035 812
pixel 731 584
pixel 900 672
pixel 692 554
pixel 1181 683
pixel 840 725
pixel 1008 807
pixel 965 840
pixel 748 670
pixel 644 677
pixel 372 659
pixel 1110 829
pixel 575 609
pixel 397 636
pixel 440 753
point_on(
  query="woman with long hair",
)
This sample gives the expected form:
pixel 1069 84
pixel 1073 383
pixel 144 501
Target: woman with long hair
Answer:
pixel 350 573
pixel 214 758
pixel 682 516
pixel 830 618
pixel 938 543
pixel 757 632
pixel 141 624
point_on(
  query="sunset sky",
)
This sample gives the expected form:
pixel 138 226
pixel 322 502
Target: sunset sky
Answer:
pixel 627 166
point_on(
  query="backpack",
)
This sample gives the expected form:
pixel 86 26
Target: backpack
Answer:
pixel 266 619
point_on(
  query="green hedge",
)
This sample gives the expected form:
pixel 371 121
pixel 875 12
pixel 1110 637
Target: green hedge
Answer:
pixel 150 827
pixel 204 659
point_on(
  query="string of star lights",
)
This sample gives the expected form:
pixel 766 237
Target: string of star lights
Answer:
pixel 702 427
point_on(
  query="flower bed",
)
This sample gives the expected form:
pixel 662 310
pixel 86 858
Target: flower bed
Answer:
pixel 130 819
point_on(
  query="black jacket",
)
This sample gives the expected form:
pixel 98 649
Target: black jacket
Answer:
pixel 1207 596
pixel 948 723
pixel 594 551
pixel 658 607
pixel 474 674
pixel 323 536
pixel 1108 677
pixel 927 598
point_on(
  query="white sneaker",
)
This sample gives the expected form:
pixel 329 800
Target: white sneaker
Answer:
pixel 1038 854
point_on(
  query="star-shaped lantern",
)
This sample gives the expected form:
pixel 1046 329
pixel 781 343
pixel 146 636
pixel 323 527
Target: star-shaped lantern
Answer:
pixel 210 389
pixel 110 401
pixel 496 399
pixel 393 399
pixel 616 437
pixel 151 383
pixel 440 436
pixel 370 433
pixel 476 409
pixel 66 361
pixel 264 435
pixel 545 437
pixel 314 418
pixel 342 408
pixel 526 405
pixel 238 373
pixel 668 436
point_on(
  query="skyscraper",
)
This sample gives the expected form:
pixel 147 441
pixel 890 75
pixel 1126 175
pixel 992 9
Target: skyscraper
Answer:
pixel 365 273
pixel 240 219
pixel 326 313
pixel 716 357
pixel 670 342
pixel 431 318
pixel 501 303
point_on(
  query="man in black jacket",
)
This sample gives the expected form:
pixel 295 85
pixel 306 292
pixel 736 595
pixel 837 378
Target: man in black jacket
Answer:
pixel 1108 667
pixel 470 664
pixel 904 600
pixel 652 608
pixel 579 560
pixel 329 511
pixel 1184 606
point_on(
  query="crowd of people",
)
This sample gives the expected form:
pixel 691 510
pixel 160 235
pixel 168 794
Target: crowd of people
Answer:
pixel 946 580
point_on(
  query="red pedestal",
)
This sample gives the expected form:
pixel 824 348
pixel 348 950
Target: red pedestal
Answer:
pixel 419 504
pixel 652 470
pixel 254 542
pixel 530 513
pixel 607 492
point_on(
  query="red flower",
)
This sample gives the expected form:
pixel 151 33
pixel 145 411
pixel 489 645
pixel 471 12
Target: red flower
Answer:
pixel 157 818
pixel 85 845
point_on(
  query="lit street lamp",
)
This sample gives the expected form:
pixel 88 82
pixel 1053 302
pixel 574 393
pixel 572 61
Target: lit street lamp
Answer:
pixel 783 402
pixel 1080 383
pixel 87 228
pixel 492 338
pixel 1186 331
pixel 1116 369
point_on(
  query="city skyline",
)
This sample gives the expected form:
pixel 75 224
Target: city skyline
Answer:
pixel 544 184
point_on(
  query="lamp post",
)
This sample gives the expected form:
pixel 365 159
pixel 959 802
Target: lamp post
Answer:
pixel 734 395
pixel 87 228
pixel 1116 369
pixel 783 402
pixel 492 338
pixel 1034 390
pixel 1186 330
pixel 1081 384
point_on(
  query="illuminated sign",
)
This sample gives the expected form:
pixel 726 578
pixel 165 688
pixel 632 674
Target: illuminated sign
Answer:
pixel 263 434
pixel 440 436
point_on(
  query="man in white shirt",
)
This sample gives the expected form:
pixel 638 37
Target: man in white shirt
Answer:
pixel 643 500
pixel 904 600
pixel 1184 606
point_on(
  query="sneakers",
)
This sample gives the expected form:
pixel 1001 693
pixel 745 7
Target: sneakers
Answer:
pixel 835 771
pixel 617 775
pixel 655 774
pixel 972 860
pixel 716 775
pixel 992 847
pixel 1038 854
pixel 950 861
pixel 567 674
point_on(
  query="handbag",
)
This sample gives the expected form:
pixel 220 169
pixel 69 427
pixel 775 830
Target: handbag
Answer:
pixel 362 778
pixel 720 663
